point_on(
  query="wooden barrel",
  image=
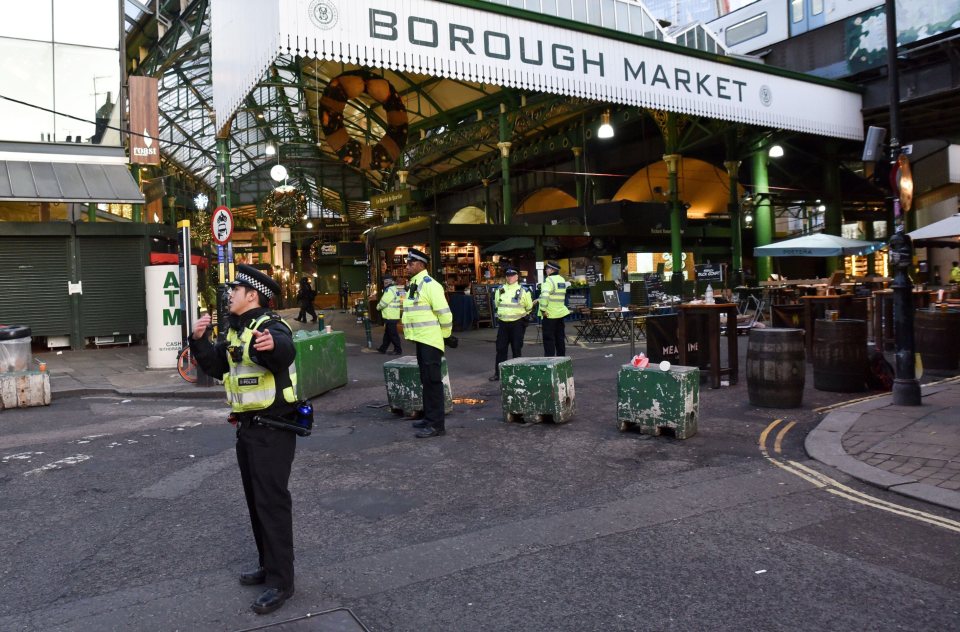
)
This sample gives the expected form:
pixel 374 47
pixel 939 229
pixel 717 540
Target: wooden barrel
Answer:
pixel 776 367
pixel 840 355
pixel 937 337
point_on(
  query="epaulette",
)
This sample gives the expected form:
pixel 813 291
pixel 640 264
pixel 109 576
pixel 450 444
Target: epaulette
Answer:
pixel 426 279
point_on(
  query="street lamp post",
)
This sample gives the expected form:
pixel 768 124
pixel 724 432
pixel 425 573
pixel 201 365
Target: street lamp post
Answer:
pixel 906 388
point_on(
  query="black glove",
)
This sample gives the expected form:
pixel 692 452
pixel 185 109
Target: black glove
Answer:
pixel 452 341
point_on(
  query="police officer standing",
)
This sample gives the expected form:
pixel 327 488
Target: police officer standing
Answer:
pixel 257 364
pixel 512 302
pixel 553 309
pixel 389 308
pixel 427 320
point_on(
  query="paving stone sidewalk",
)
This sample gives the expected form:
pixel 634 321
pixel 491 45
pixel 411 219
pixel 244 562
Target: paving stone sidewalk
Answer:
pixel 910 450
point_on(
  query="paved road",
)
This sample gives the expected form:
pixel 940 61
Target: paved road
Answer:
pixel 128 515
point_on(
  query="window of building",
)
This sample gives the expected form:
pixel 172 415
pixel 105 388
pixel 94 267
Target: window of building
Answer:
pixel 748 29
pixel 796 11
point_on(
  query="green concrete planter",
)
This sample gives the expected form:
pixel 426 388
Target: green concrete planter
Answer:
pixel 404 388
pixel 652 400
pixel 321 362
pixel 537 389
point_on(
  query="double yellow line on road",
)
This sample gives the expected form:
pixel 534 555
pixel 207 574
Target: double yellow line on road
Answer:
pixel 837 488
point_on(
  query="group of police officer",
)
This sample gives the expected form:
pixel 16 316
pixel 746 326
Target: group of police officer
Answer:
pixel 256 361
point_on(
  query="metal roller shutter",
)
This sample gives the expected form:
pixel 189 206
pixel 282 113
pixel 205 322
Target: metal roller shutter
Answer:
pixel 33 285
pixel 114 298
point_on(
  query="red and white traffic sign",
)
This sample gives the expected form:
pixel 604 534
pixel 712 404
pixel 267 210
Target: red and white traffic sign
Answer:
pixel 221 225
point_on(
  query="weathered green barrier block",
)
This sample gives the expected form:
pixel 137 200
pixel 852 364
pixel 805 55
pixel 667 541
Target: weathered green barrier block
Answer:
pixel 655 400
pixel 404 388
pixel 321 362
pixel 537 389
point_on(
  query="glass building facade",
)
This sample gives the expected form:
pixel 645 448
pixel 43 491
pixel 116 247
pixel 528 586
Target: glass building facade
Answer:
pixel 61 59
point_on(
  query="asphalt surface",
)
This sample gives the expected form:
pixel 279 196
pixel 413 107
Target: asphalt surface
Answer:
pixel 123 513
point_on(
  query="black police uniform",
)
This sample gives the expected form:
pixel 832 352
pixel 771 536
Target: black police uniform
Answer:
pixel 265 455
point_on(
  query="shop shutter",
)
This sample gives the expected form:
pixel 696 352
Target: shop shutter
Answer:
pixel 33 285
pixel 114 298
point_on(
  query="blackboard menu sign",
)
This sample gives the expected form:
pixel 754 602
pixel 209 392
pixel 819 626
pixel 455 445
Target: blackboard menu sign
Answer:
pixel 577 298
pixel 481 299
pixel 654 284
pixel 709 273
pixel 591 274
pixel 663 339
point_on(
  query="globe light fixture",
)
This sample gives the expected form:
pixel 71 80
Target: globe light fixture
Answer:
pixel 776 151
pixel 270 150
pixel 606 129
pixel 278 173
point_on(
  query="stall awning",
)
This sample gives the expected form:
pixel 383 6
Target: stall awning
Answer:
pixel 38 172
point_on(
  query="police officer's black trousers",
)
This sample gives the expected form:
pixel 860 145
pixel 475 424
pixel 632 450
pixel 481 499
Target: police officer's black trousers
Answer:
pixel 554 337
pixel 390 336
pixel 265 456
pixel 428 360
pixel 509 335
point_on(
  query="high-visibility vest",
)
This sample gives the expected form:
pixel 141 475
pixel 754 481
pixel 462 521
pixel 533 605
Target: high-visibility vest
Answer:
pixel 390 303
pixel 248 385
pixel 512 302
pixel 426 314
pixel 553 291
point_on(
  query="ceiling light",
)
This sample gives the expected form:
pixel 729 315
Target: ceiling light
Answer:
pixel 270 150
pixel 309 224
pixel 776 151
pixel 606 129
pixel 278 173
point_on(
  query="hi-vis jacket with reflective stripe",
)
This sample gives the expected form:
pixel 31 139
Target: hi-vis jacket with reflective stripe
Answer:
pixel 513 302
pixel 390 302
pixel 426 314
pixel 553 291
pixel 250 386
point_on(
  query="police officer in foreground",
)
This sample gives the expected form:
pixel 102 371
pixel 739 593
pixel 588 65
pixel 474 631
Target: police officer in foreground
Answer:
pixel 257 364
pixel 427 320
pixel 512 303
pixel 553 309
pixel 389 308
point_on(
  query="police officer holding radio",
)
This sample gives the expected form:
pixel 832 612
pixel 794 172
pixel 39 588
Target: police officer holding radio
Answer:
pixel 257 364
pixel 512 302
pixel 427 320
pixel 389 308
pixel 553 309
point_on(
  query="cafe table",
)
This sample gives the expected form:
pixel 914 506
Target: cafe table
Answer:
pixel 708 316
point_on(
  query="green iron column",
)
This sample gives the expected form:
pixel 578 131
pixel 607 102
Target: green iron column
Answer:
pixel 223 169
pixel 763 214
pixel 486 199
pixel 578 167
pixel 676 238
pixel 733 207
pixel 504 146
pixel 832 219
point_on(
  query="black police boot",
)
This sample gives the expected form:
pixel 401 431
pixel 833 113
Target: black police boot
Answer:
pixel 430 431
pixel 253 577
pixel 423 423
pixel 271 599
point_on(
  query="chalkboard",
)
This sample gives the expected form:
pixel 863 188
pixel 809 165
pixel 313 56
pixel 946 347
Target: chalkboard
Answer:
pixel 591 274
pixel 709 273
pixel 654 285
pixel 481 299
pixel 577 298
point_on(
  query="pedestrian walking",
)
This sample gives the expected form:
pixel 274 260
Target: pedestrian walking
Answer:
pixel 344 297
pixel 427 321
pixel 256 361
pixel 512 303
pixel 389 308
pixel 553 310
pixel 305 297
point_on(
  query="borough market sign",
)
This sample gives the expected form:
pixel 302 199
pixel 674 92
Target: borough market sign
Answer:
pixel 456 39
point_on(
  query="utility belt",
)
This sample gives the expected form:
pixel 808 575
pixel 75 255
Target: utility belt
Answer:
pixel 298 421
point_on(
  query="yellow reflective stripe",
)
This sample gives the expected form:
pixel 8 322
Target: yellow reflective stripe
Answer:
pixel 442 310
pixel 418 308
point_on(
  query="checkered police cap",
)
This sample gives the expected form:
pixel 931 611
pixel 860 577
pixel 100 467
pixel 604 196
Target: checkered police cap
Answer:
pixel 255 279
pixel 553 265
pixel 416 255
